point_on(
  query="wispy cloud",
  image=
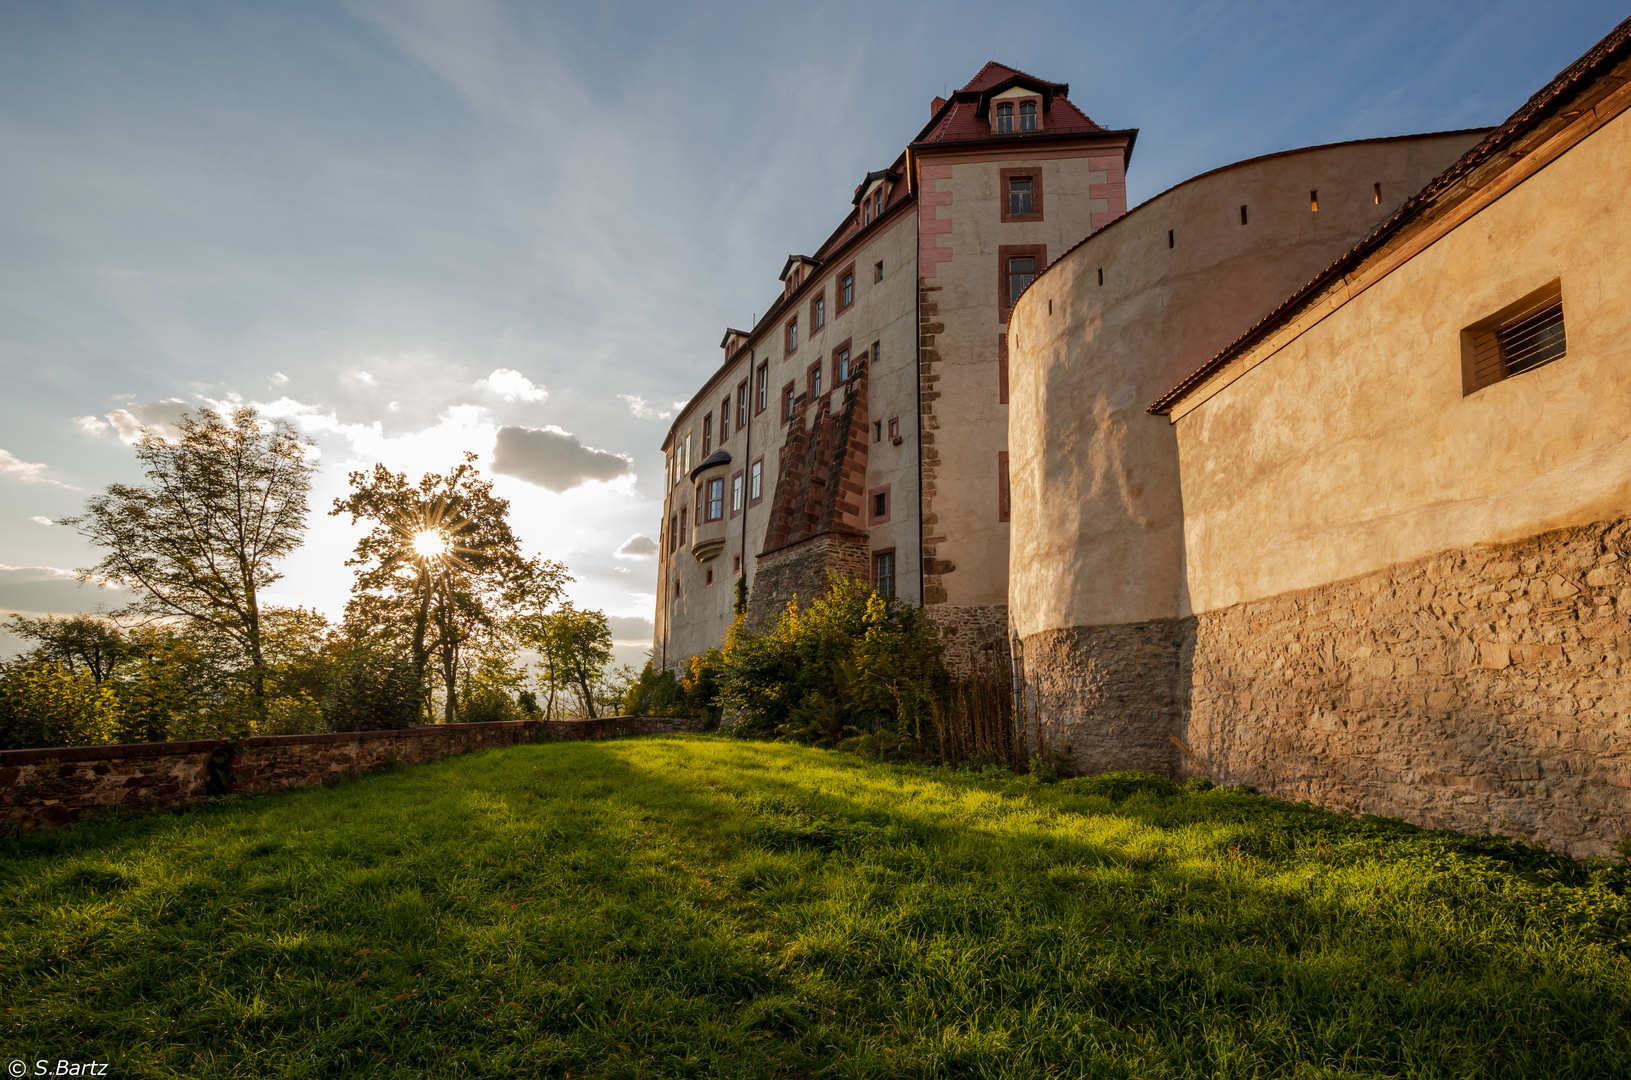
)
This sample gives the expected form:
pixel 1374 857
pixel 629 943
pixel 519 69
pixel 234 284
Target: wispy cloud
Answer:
pixel 639 408
pixel 30 472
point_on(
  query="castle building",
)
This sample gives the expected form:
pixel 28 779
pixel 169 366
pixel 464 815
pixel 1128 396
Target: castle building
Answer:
pixel 860 425
pixel 1331 496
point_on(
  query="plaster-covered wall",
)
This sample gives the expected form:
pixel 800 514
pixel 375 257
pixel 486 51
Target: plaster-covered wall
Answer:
pixel 1098 521
pixel 1352 448
pixel 699 614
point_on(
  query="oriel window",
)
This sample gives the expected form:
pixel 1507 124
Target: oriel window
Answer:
pixel 716 499
pixel 1020 197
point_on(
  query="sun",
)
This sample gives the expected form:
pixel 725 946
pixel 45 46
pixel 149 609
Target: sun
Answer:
pixel 429 544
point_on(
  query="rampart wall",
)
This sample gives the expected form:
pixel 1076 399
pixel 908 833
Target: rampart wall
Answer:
pixel 47 788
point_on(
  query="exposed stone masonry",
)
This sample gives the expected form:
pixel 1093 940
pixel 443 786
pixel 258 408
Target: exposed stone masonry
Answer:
pixel 928 328
pixel 1482 688
pixel 1111 696
pixel 803 570
pixel 42 789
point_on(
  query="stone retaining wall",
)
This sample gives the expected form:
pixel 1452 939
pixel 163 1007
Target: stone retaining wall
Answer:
pixel 47 788
pixel 1481 689
pixel 1112 697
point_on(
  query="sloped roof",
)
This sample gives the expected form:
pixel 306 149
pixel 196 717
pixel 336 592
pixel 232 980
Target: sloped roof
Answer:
pixel 994 73
pixel 1500 150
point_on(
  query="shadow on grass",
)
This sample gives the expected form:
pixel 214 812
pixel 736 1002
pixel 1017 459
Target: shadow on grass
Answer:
pixel 696 906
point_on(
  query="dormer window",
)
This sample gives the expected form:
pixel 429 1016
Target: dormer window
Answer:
pixel 1005 118
pixel 866 212
pixel 1027 116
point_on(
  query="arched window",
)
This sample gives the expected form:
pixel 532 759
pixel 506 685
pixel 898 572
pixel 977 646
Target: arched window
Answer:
pixel 1027 116
pixel 1005 118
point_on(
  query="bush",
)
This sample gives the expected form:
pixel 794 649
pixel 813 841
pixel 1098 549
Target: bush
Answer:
pixel 42 705
pixel 657 693
pixel 373 689
pixel 293 714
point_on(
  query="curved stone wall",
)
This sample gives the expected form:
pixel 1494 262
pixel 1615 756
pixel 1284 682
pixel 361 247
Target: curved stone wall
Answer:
pixel 1096 582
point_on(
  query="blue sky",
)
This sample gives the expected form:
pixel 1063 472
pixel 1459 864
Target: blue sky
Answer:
pixel 408 225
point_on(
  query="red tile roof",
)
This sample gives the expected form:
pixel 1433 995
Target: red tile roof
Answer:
pixel 994 73
pixel 960 122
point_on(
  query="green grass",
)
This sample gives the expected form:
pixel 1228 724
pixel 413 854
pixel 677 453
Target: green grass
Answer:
pixel 693 906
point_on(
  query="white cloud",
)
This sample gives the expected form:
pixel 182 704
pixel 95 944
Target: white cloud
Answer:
pixel 41 520
pixel 513 386
pixel 639 409
pixel 30 472
pixel 159 417
pixel 90 425
pixel 553 459
pixel 366 377
pixel 279 377
pixel 638 546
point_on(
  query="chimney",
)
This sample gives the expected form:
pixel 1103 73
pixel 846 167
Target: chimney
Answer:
pixel 935 108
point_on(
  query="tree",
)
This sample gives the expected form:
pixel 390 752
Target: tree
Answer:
pixel 575 647
pixel 81 643
pixel 43 704
pixel 437 560
pixel 199 542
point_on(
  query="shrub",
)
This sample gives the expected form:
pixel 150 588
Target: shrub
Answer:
pixel 42 704
pixel 293 714
pixel 1120 786
pixel 373 689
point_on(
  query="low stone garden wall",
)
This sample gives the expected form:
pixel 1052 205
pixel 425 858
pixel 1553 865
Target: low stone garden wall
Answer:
pixel 47 788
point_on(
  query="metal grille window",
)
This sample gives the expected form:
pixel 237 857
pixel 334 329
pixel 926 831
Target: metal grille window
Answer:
pixel 1019 195
pixel 1518 338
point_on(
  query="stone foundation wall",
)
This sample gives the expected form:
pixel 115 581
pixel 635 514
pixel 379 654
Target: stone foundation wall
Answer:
pixel 52 787
pixel 802 569
pixel 1111 697
pixel 973 637
pixel 1482 689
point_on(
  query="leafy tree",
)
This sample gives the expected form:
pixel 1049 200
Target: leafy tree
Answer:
pixel 88 643
pixel 43 704
pixel 437 561
pixel 199 542
pixel 373 686
pixel 574 647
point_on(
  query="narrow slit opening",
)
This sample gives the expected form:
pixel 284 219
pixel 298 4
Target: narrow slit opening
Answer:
pixel 1378 189
pixel 1314 201
pixel 1101 275
pixel 1243 214
pixel 1170 241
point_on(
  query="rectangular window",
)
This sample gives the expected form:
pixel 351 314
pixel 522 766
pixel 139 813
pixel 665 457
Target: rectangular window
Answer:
pixel 724 420
pixel 877 431
pixel 815 381
pixel 736 565
pixel 708 576
pixel 716 499
pixel 1021 272
pixel 843 365
pixel 756 477
pixel 846 288
pixel 883 572
pixel 707 434
pixel 736 493
pixel 877 505
pixel 1017 267
pixel 673 532
pixel 685 460
pixel 742 404
pixel 1027 116
pixel 1005 118
pixel 793 336
pixel 787 401
pixel 1002 485
pixel 1518 338
pixel 763 401
pixel 894 429
pixel 877 270
pixel 1002 369
pixel 818 313
pixel 1019 195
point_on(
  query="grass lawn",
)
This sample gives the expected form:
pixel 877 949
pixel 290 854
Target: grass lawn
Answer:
pixel 694 906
